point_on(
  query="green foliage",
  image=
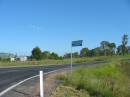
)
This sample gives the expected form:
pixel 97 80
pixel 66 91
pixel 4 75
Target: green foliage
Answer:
pixel 37 53
pixel 125 66
pixel 75 54
pixel 108 48
pixel 54 56
pixel 113 59
pixel 84 52
pixel 105 46
pixel 125 39
pixel 6 60
pixel 100 81
pixel 97 52
pixel 67 55
pixel 122 49
pixel 112 47
pixel 46 54
pixel 105 49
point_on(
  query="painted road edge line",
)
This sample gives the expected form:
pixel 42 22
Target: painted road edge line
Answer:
pixel 13 86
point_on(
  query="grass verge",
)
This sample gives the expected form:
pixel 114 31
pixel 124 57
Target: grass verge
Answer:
pixel 100 81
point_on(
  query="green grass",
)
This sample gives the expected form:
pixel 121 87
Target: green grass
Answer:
pixel 113 59
pixel 101 81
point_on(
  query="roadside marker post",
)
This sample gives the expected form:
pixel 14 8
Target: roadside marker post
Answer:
pixel 41 84
pixel 74 44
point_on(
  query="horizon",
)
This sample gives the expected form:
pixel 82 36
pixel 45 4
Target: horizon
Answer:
pixel 52 25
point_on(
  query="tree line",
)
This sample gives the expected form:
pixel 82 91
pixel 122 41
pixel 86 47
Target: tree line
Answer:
pixel 106 48
pixel 37 54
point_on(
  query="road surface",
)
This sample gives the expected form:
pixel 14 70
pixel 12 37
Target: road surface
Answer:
pixel 11 76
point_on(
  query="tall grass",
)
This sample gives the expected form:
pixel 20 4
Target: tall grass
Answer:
pixel 100 81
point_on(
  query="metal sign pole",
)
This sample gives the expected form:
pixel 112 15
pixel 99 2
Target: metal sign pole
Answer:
pixel 71 60
pixel 41 84
pixel 74 44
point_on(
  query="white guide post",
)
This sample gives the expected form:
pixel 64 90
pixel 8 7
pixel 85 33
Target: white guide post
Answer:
pixel 41 84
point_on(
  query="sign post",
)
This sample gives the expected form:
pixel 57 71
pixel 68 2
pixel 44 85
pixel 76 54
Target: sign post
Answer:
pixel 74 44
pixel 71 59
pixel 41 84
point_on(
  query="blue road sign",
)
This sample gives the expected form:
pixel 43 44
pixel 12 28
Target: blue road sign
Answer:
pixel 77 43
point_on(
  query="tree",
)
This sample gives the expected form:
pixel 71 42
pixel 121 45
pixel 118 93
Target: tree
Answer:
pixel 60 58
pixel 124 43
pixel 112 47
pixel 105 46
pixel 67 55
pixel 98 51
pixel 84 52
pixel 75 54
pixel 46 55
pixel 91 53
pixel 54 56
pixel 37 53
pixel 119 50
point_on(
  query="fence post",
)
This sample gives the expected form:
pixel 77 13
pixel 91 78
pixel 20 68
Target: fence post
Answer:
pixel 41 84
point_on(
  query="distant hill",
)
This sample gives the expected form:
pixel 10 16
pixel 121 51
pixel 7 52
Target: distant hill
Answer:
pixel 6 55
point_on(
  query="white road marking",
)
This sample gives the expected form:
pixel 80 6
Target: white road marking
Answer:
pixel 13 86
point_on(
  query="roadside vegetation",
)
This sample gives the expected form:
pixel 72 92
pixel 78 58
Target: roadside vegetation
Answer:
pixel 107 51
pixel 113 59
pixel 109 80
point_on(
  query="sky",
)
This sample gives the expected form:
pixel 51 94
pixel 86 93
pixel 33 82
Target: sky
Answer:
pixel 53 24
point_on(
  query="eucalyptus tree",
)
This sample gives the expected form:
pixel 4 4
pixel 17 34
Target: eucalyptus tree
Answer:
pixel 124 44
pixel 84 52
pixel 105 46
pixel 112 48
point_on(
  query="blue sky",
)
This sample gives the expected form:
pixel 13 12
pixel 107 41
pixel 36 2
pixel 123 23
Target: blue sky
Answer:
pixel 53 24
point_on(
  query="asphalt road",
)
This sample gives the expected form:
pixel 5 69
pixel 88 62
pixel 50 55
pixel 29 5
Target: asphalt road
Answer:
pixel 10 76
